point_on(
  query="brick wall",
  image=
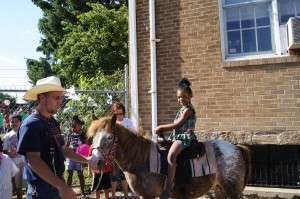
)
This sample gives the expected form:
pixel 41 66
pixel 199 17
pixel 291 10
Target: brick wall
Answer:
pixel 143 62
pixel 256 95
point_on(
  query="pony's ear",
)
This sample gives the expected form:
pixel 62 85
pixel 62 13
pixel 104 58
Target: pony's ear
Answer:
pixel 94 117
pixel 113 121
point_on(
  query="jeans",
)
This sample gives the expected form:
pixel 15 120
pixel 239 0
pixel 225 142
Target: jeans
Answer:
pixel 39 189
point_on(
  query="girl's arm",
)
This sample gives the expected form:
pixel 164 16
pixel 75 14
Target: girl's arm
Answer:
pixel 178 123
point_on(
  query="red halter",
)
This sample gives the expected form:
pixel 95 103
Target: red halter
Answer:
pixel 110 155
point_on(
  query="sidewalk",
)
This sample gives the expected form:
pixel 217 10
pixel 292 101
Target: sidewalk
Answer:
pixel 272 192
pixel 249 192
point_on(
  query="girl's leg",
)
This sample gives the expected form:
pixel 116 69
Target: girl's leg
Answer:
pixel 113 189
pixel 70 176
pixel 98 194
pixel 19 182
pixel 106 193
pixel 114 180
pixel 125 188
pixel 175 149
pixel 81 181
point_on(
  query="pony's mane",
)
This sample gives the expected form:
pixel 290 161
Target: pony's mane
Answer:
pixel 98 124
pixel 135 146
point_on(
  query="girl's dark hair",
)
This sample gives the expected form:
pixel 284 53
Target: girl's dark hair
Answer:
pixel 184 85
pixel 77 120
pixel 18 117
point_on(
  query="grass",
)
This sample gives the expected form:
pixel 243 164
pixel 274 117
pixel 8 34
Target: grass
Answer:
pixel 87 179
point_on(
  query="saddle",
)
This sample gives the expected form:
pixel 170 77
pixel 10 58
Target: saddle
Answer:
pixel 183 171
pixel 196 150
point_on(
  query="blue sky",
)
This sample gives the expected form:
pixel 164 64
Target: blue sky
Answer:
pixel 19 37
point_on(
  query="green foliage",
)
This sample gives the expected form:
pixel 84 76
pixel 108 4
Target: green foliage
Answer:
pixel 55 13
pixel 95 101
pixel 4 96
pixel 97 42
pixel 85 44
pixel 38 69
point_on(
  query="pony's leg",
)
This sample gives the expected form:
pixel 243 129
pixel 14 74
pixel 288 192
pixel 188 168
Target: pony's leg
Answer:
pixel 180 192
pixel 219 193
pixel 227 191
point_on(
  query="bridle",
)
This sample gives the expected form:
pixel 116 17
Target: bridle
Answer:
pixel 110 155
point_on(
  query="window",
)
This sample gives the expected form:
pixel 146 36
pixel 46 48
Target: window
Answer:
pixel 287 9
pixel 275 166
pixel 250 25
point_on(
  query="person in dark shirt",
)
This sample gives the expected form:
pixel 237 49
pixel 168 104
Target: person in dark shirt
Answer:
pixel 41 142
pixel 75 138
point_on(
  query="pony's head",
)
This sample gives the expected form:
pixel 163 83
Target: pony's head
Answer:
pixel 108 136
pixel 104 141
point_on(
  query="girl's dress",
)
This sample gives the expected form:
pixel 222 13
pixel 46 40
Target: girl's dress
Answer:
pixel 104 182
pixel 185 133
pixel 8 170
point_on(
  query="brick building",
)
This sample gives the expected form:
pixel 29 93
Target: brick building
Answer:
pixel 246 81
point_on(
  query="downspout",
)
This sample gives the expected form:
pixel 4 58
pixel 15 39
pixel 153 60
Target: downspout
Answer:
pixel 134 105
pixel 153 90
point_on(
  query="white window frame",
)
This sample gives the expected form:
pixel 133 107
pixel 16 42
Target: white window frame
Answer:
pixel 275 31
pixel 295 12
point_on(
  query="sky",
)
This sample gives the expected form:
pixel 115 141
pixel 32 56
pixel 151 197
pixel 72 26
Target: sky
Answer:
pixel 19 38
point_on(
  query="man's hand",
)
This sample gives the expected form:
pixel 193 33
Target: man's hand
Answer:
pixel 66 192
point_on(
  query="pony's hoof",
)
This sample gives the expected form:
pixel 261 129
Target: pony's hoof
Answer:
pixel 165 195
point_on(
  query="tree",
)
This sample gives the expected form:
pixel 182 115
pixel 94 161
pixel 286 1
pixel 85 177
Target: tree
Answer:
pixel 97 43
pixel 96 103
pixel 11 99
pixel 55 12
pixel 38 69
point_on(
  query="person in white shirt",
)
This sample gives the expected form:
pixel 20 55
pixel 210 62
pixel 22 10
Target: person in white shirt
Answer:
pixel 8 170
pixel 118 109
pixel 10 142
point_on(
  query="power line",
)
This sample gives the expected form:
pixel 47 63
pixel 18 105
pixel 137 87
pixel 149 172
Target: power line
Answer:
pixel 13 69
pixel 1 67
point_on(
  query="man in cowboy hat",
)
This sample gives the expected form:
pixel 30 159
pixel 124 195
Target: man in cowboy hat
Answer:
pixel 41 143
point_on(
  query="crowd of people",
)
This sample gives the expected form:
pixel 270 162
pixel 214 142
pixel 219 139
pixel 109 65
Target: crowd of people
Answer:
pixel 35 150
pixel 6 114
pixel 4 120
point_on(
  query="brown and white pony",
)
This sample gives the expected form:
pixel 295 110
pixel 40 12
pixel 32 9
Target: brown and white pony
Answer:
pixel 132 152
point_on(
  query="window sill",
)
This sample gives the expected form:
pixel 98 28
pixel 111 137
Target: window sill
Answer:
pixel 257 61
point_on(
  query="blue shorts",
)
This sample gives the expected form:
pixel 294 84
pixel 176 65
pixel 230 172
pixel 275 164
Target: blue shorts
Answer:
pixel 119 176
pixel 73 166
pixel 39 189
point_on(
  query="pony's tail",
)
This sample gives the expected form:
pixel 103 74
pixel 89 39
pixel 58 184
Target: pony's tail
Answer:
pixel 247 158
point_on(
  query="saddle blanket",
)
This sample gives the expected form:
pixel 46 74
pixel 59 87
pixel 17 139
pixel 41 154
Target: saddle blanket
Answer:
pixel 198 167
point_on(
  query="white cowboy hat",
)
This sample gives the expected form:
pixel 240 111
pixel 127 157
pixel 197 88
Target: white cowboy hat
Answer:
pixel 44 85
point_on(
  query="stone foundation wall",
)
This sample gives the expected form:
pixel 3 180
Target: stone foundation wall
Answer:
pixel 254 138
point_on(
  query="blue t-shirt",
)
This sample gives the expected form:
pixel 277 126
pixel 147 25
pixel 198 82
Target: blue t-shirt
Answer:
pixel 39 134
